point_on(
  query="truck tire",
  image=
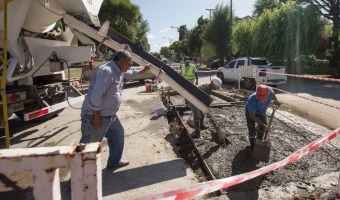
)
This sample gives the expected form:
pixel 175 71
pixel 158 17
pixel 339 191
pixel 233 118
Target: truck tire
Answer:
pixel 220 76
pixel 249 83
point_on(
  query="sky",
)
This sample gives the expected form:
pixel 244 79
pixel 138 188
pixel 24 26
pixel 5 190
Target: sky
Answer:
pixel 162 14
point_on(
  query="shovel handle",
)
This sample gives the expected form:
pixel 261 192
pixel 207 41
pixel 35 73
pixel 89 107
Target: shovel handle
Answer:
pixel 270 122
pixel 272 116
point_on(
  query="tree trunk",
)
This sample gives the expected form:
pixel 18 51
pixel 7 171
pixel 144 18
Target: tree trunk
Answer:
pixel 334 60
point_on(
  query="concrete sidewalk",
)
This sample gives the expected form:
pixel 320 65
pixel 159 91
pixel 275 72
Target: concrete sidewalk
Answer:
pixel 154 166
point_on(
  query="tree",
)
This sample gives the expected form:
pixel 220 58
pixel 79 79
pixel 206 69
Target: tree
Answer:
pixel 126 18
pixel 165 51
pixel 283 33
pixel 155 54
pixel 218 33
pixel 196 36
pixel 261 5
pixel 142 29
pixel 177 47
pixel 330 9
pixel 183 32
pixel 243 37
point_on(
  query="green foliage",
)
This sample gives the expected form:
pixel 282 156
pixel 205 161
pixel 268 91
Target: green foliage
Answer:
pixel 243 38
pixel 331 10
pixel 312 61
pixel 283 33
pixel 261 5
pixel 183 32
pixel 218 31
pixel 165 51
pixel 155 54
pixel 126 18
pixel 208 50
pixel 177 47
pixel 196 36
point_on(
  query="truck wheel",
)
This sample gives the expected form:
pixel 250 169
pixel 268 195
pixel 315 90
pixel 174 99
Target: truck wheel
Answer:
pixel 249 83
pixel 220 76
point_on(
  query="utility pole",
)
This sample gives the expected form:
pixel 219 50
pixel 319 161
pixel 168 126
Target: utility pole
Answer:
pixel 209 9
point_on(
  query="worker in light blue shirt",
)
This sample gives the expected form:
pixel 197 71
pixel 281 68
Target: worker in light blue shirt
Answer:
pixel 256 108
pixel 98 112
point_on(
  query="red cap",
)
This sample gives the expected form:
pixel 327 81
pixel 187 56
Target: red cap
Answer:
pixel 262 93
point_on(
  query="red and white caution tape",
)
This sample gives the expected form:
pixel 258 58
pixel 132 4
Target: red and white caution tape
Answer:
pixel 308 99
pixel 304 76
pixel 211 186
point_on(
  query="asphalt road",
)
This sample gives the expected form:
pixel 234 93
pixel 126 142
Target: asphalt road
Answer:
pixel 326 94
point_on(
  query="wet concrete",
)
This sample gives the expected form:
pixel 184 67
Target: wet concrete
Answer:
pixel 288 134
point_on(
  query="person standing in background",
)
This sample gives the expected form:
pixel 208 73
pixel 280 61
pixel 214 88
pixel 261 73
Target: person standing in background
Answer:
pixel 189 71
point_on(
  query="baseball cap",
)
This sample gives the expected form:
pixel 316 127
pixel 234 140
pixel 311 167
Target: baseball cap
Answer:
pixel 262 92
pixel 217 82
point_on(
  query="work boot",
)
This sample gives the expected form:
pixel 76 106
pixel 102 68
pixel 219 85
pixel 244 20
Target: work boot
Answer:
pixel 202 125
pixel 197 129
pixel 252 142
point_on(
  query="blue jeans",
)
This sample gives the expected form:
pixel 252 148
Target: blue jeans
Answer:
pixel 251 123
pixel 195 111
pixel 112 129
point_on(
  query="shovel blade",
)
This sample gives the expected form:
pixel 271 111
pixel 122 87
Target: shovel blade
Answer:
pixel 261 150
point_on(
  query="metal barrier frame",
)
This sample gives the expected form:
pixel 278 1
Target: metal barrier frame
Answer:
pixel 44 163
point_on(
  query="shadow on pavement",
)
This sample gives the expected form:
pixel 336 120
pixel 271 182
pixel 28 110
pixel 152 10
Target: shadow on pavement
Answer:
pixel 120 181
pixel 25 129
pixel 13 190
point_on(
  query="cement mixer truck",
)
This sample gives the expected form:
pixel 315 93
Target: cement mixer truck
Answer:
pixel 44 37
pixel 39 53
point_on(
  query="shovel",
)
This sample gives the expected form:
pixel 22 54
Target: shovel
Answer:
pixel 262 146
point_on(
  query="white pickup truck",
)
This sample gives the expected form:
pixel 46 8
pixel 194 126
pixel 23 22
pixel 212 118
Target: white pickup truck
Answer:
pixel 252 71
